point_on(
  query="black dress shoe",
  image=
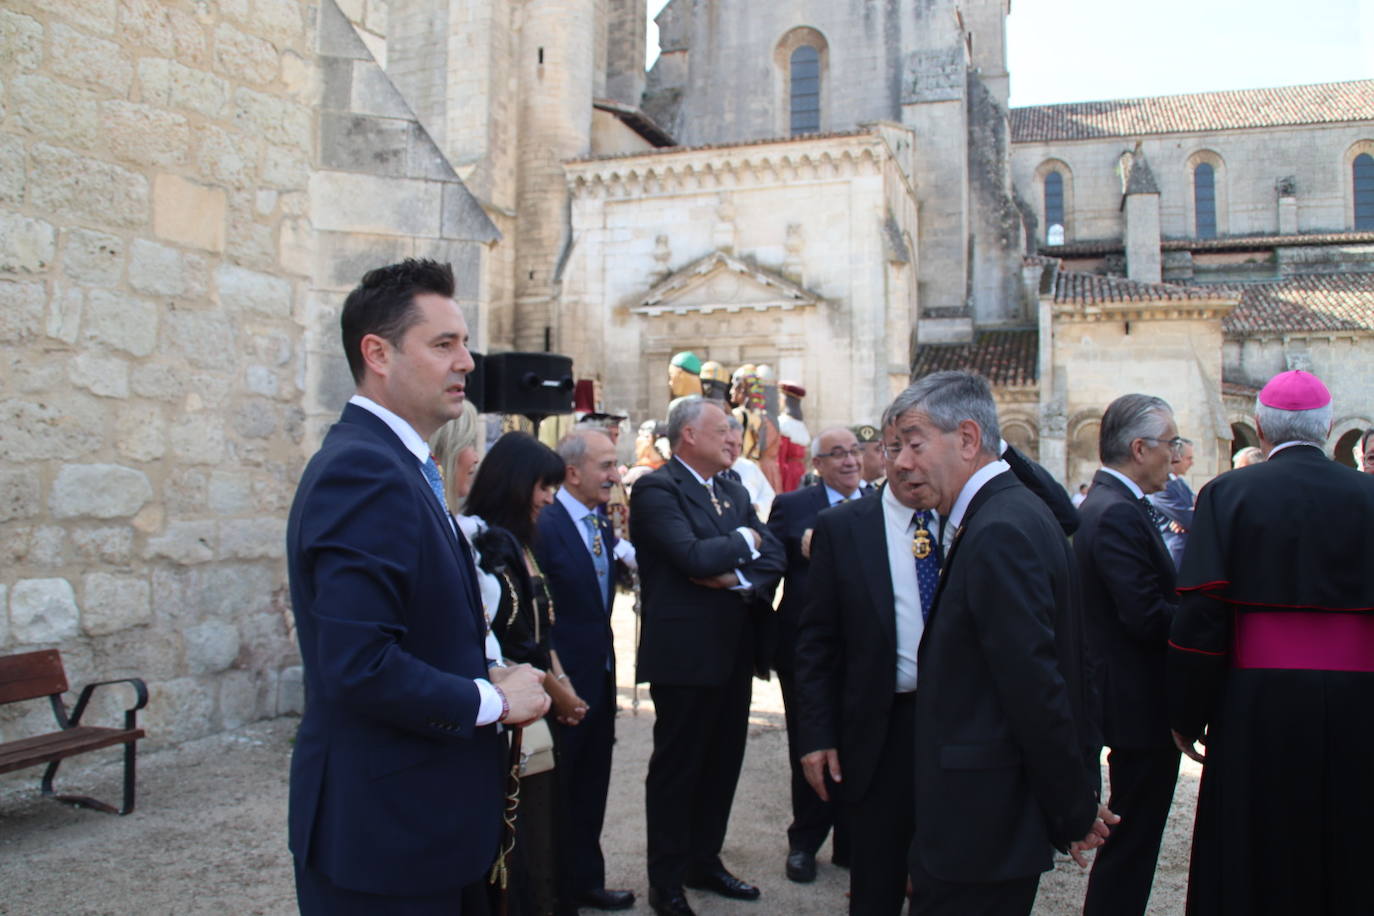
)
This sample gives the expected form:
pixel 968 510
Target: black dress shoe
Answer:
pixel 723 883
pixel 606 899
pixel 669 901
pixel 801 866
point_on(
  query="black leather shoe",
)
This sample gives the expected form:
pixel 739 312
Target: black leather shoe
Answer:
pixel 669 901
pixel 606 899
pixel 801 866
pixel 723 883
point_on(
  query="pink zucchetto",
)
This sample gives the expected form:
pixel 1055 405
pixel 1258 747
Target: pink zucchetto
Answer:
pixel 1295 390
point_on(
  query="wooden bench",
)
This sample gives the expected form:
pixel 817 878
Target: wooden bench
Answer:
pixel 40 674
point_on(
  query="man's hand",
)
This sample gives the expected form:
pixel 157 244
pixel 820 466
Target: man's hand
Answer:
pixel 1097 835
pixel 523 687
pixel 1189 748
pixel 816 764
pixel 723 580
pixel 806 542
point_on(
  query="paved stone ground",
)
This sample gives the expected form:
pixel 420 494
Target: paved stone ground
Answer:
pixel 209 835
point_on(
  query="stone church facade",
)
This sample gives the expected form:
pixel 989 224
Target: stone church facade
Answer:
pixel 188 188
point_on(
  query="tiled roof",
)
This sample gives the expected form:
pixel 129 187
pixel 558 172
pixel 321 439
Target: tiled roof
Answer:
pixel 1004 358
pixel 1238 389
pixel 1089 289
pixel 1317 302
pixel 765 141
pixel 1319 103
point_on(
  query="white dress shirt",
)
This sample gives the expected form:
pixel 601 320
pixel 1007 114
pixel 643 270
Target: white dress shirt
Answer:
pixel 906 593
pixel 1130 484
pixel 490 709
pixel 970 490
pixel 1289 444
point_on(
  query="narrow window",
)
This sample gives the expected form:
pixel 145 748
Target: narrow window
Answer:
pixel 806 90
pixel 1364 191
pixel 1054 209
pixel 1205 200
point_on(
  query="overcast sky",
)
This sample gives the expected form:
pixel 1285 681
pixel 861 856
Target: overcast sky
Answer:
pixel 1081 50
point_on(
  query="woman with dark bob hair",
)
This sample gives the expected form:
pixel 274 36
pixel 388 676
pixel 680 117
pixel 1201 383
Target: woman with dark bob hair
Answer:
pixel 517 478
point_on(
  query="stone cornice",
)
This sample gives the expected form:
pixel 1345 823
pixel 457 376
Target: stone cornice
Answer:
pixel 710 168
pixel 779 292
pixel 1162 310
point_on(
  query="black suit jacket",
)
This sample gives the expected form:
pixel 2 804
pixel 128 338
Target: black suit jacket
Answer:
pixel 582 626
pixel 792 514
pixel 691 635
pixel 846 650
pixel 1004 772
pixel 1038 480
pixel 391 635
pixel 1129 602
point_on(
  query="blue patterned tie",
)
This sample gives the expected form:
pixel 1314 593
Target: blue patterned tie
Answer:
pixel 436 482
pixel 928 566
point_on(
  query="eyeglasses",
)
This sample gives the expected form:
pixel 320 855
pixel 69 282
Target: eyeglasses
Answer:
pixel 840 454
pixel 1176 445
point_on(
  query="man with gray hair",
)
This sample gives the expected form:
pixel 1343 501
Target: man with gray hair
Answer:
pixel 1006 760
pixel 1271 657
pixel 1127 575
pixel 705 560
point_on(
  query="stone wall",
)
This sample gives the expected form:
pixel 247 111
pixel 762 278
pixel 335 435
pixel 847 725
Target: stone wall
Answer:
pixel 833 216
pixel 152 156
pixel 1249 165
pixel 186 191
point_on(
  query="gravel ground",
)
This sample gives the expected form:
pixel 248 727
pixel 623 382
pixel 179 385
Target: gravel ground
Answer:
pixel 209 833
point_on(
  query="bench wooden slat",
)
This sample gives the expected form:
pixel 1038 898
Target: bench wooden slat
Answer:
pixel 27 752
pixel 31 675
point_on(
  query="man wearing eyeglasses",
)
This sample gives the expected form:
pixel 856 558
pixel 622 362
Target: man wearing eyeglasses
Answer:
pixel 836 460
pixel 1175 504
pixel 1129 602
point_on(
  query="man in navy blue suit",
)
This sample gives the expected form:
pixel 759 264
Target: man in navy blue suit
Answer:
pixel 837 457
pixel 577 551
pixel 397 773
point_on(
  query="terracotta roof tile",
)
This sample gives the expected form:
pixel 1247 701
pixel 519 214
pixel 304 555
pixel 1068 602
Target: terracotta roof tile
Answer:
pixel 1089 289
pixel 1318 103
pixel 1007 359
pixel 1317 302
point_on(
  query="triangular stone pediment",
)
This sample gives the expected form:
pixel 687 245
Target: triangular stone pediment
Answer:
pixel 721 282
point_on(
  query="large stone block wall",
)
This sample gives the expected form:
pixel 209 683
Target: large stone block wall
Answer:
pixel 153 157
pixel 1251 164
pixel 187 190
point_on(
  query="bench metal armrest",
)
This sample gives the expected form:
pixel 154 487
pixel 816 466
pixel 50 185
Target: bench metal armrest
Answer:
pixel 130 714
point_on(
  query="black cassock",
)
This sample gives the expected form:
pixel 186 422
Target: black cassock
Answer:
pixel 1272 651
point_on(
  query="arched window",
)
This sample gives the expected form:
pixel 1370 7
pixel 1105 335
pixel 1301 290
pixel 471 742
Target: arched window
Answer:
pixel 1363 176
pixel 805 90
pixel 1054 208
pixel 1205 200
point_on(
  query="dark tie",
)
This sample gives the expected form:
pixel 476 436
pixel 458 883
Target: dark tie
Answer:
pixel 926 549
pixel 1156 517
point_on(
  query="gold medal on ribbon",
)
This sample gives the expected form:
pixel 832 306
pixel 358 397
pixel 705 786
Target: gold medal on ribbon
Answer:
pixel 921 543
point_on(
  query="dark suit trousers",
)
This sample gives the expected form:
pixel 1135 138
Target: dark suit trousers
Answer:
pixel 812 818
pixel 316 895
pixel 584 772
pixel 933 897
pixel 883 821
pixel 1142 783
pixel 699 738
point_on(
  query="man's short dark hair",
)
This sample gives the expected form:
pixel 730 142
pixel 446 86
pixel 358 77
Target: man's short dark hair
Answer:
pixel 384 304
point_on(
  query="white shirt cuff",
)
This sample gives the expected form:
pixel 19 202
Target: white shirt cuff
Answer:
pixel 743 582
pixel 490 710
pixel 745 532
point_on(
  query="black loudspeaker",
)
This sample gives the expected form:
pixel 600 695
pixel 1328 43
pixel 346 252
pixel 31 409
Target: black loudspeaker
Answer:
pixel 475 388
pixel 536 385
